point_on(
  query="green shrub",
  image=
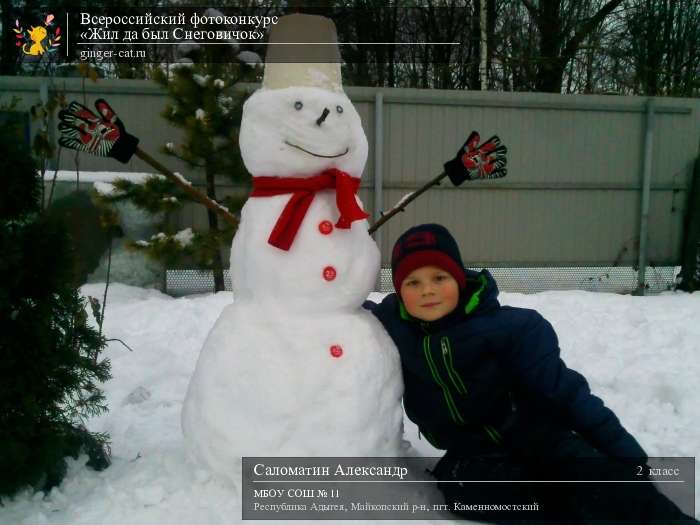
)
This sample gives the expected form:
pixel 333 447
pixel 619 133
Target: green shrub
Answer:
pixel 50 363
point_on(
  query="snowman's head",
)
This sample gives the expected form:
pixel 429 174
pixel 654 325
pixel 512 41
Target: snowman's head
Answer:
pixel 301 131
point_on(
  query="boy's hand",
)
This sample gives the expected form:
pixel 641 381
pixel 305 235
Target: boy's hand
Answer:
pixel 102 134
pixel 473 161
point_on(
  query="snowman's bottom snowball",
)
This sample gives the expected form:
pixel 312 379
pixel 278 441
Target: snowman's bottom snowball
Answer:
pixel 267 386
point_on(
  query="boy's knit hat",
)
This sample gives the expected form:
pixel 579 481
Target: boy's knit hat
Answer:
pixel 426 245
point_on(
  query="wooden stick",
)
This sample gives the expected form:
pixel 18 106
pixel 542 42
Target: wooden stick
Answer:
pixel 187 188
pixel 402 204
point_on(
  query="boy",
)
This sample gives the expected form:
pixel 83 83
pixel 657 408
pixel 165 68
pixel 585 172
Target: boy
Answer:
pixel 485 382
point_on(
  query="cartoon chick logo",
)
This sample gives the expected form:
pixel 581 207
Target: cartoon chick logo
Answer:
pixel 32 40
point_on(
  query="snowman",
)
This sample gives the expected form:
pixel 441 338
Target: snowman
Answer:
pixel 295 366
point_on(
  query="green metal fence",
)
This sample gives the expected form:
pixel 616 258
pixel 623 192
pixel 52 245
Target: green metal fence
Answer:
pixel 521 280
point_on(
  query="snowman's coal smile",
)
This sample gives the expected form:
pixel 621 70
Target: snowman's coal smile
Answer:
pixel 316 154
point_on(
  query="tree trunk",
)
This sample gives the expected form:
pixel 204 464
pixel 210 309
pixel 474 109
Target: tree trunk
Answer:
pixel 490 38
pixel 549 76
pixel 557 47
pixel 392 64
pixel 475 45
pixel 217 264
pixel 689 277
pixel 549 71
pixel 653 53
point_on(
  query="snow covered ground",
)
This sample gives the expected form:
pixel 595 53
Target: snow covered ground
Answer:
pixel 640 354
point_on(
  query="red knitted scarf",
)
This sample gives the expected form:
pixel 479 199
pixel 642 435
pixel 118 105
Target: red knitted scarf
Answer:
pixel 303 191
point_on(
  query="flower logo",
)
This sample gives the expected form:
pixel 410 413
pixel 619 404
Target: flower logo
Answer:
pixel 32 40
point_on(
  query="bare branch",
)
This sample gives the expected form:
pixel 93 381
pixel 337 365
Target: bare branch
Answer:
pixel 575 41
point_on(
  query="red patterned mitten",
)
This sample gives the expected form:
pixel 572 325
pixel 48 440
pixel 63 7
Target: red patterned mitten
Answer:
pixel 473 161
pixel 102 134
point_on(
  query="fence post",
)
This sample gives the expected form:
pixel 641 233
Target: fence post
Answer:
pixel 689 278
pixel 646 191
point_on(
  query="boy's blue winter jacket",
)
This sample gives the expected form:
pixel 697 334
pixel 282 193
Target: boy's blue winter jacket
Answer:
pixel 488 375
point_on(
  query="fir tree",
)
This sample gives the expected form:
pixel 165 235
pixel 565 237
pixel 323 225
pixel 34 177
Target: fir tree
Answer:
pixel 203 103
pixel 49 366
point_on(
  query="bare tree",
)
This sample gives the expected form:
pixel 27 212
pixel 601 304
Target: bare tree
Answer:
pixel 561 29
pixel 664 46
pixel 514 49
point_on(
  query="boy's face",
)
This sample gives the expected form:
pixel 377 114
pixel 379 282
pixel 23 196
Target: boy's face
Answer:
pixel 429 293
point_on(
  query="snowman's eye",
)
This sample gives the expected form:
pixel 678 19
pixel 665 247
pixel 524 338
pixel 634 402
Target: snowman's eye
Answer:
pixel 298 105
pixel 339 109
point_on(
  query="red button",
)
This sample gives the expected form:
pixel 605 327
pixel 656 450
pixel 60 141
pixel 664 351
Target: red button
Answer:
pixel 336 350
pixel 325 227
pixel 329 273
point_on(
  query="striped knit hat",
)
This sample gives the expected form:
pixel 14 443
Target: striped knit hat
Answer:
pixel 426 245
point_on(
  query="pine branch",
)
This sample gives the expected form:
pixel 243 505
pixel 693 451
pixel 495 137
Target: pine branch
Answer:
pixel 187 188
pixel 173 153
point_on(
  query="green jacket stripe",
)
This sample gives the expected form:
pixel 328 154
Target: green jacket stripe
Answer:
pixel 445 389
pixel 493 434
pixel 449 364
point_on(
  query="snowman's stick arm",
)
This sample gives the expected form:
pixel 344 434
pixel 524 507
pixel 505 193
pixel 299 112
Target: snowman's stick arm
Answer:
pixel 187 188
pixel 401 206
